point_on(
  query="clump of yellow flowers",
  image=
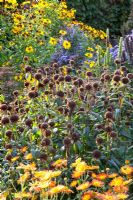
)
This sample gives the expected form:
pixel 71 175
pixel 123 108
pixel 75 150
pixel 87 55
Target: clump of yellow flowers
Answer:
pixel 48 184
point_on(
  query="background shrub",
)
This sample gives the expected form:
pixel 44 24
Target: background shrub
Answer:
pixel 102 14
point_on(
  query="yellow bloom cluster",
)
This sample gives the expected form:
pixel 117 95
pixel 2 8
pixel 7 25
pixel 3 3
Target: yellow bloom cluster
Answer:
pixel 91 31
pixel 98 185
pixel 9 3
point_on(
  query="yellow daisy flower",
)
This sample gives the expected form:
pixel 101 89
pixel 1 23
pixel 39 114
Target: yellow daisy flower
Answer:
pixel 29 49
pixel 66 44
pixel 53 41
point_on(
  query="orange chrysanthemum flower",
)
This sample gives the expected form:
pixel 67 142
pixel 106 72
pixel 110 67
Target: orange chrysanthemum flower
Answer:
pixel 122 196
pixel 120 189
pixel 88 195
pixel 59 189
pixel 102 176
pixel 112 175
pixel 60 163
pixel 97 183
pixel 83 186
pixel 118 181
pixel 73 183
pixel 127 170
pixel 77 175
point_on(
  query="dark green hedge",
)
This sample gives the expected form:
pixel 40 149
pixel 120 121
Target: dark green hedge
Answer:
pixel 102 14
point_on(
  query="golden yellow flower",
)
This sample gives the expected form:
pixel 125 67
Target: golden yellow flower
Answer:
pixel 15 158
pixel 55 174
pixel 97 183
pixel 102 176
pixel 82 166
pixel 90 49
pixel 127 170
pixel 94 167
pixel 66 44
pixel 92 64
pixel 17 29
pixel 89 55
pixel 128 182
pixel 127 162
pixel 77 161
pixel 28 156
pixel 117 181
pixel 121 189
pixel 23 149
pixel 59 189
pixel 88 195
pixel 23 178
pixel 53 41
pixel 77 174
pixel 47 21
pixel 59 163
pixel 62 32
pixel 29 49
pixel 73 183
pixel 122 196
pixel 83 186
pixel 21 195
pixel 39 174
pixel 28 167
pixel 112 175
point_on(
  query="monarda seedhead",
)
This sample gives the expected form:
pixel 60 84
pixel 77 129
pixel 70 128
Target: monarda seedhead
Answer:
pixel 21 129
pixel 95 85
pixel 14 118
pixel 107 77
pixel 55 65
pixel 28 68
pixel 45 81
pixel 88 87
pixel 109 115
pixel 113 134
pixel 16 93
pixel 96 154
pixel 44 125
pixel 46 142
pixel 123 69
pixel 71 105
pixel 130 75
pixel 5 120
pixel 68 78
pixel 67 141
pixel 61 79
pixel 75 136
pixel 8 146
pixel 31 94
pixel 26 84
pixel 99 141
pixel 116 78
pixel 89 74
pixel 60 94
pixel 108 129
pixel 43 157
pixel 9 133
pixel 125 80
pixel 71 62
pixel 47 133
pixel 9 157
pixel 38 76
pixel 29 122
pixel 3 107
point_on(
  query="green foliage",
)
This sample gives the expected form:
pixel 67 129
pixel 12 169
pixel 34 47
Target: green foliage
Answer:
pixel 102 14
